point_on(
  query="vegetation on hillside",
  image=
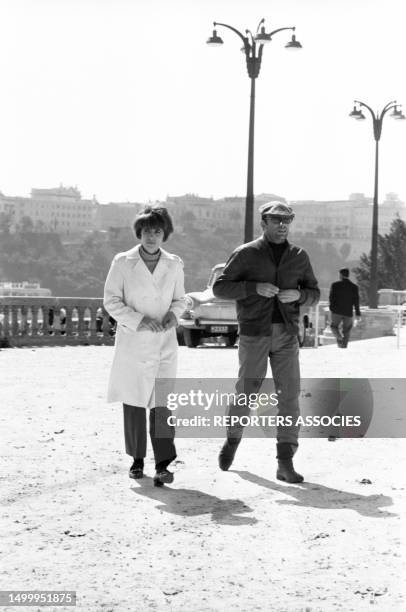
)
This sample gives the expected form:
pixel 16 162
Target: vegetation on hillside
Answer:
pixel 79 267
pixel 391 261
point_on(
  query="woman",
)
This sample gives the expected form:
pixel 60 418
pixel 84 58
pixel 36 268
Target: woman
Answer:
pixel 144 293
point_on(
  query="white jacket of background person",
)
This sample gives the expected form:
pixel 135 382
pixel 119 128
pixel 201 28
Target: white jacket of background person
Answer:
pixel 131 292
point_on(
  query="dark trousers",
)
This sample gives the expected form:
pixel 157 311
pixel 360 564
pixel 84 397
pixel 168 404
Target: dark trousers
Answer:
pixel 161 433
pixel 341 327
pixel 282 350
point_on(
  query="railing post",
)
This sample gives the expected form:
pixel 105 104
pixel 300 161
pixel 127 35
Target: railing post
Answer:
pixel 3 325
pixel 45 320
pixel 93 322
pixel 14 320
pixel 23 321
pixel 57 322
pixel 34 321
pixel 6 321
pixel 81 323
pixel 69 322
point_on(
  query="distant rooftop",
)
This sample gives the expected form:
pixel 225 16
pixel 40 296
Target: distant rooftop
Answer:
pixel 187 197
pixel 67 192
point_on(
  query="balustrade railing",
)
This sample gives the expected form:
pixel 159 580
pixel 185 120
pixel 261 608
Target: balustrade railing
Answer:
pixel 26 321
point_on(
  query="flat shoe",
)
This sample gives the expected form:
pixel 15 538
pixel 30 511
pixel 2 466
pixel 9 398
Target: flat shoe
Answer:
pixel 136 473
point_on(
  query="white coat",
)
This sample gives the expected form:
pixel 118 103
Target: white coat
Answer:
pixel 131 292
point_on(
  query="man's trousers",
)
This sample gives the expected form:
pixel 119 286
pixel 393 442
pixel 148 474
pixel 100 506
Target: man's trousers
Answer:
pixel 282 349
pixel 341 327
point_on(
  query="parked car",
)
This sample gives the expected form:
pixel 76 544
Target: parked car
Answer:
pixel 208 316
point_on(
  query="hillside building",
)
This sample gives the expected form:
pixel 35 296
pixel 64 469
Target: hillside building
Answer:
pixel 349 222
pixel 60 210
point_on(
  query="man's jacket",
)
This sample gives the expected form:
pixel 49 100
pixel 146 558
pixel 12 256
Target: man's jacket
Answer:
pixel 254 263
pixel 344 297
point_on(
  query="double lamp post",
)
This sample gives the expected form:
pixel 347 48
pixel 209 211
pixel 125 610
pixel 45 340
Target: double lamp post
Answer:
pixel 252 49
pixel 377 120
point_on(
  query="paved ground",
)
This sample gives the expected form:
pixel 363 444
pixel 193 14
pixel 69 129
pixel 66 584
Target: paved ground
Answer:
pixel 213 541
pixel 374 358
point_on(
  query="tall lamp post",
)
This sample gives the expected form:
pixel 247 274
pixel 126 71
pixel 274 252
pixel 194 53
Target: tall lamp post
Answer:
pixel 377 120
pixel 252 49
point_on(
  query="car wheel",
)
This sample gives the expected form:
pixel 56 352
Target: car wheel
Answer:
pixel 192 337
pixel 231 339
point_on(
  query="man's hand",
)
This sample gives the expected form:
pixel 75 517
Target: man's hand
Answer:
pixel 267 289
pixel 288 295
pixel 169 320
pixel 151 324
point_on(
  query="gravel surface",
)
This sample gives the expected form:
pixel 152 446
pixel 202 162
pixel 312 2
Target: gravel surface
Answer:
pixel 239 540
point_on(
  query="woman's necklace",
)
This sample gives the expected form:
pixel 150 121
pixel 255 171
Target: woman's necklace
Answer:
pixel 150 259
pixel 150 256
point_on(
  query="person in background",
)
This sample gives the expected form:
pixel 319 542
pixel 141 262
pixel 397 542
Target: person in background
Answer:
pixel 270 279
pixel 144 293
pixel 344 299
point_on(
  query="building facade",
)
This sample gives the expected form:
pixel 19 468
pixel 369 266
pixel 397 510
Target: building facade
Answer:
pixel 116 215
pixel 342 223
pixel 345 222
pixel 212 213
pixel 61 210
pixel 23 289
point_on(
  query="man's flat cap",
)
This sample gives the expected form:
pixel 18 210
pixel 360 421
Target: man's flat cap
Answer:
pixel 275 208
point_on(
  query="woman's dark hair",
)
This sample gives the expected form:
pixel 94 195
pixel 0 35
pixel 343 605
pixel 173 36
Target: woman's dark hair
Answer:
pixel 153 217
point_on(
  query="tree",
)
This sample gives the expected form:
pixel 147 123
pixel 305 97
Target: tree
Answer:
pixel 6 220
pixel 391 261
pixel 40 226
pixel 393 255
pixel 345 250
pixel 26 224
pixel 322 232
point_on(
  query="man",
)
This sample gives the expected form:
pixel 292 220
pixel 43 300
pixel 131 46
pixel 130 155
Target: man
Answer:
pixel 344 298
pixel 269 278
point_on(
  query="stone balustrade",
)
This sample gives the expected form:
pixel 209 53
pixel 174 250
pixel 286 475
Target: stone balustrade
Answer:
pixel 47 321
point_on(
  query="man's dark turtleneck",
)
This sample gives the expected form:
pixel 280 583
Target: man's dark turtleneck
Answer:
pixel 277 250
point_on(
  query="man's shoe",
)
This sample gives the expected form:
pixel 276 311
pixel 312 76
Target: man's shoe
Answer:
pixel 227 454
pixel 286 471
pixel 163 477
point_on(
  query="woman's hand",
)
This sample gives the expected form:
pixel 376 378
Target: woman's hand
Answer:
pixel 151 324
pixel 169 320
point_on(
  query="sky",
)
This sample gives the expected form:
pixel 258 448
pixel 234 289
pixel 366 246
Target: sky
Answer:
pixel 123 98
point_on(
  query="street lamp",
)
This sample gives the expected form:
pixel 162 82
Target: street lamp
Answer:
pixel 377 120
pixel 252 49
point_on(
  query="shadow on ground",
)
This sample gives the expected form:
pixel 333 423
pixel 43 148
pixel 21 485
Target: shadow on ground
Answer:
pixel 189 502
pixel 314 495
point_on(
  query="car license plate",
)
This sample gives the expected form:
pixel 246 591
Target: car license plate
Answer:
pixel 218 329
